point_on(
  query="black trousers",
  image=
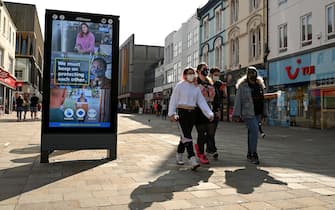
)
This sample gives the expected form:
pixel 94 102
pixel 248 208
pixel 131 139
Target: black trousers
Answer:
pixel 185 123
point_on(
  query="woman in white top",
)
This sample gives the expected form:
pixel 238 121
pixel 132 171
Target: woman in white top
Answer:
pixel 185 97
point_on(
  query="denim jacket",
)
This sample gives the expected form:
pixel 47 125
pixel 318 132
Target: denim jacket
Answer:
pixel 244 105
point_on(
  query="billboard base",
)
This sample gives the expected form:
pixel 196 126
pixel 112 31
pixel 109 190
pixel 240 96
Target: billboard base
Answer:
pixel 52 142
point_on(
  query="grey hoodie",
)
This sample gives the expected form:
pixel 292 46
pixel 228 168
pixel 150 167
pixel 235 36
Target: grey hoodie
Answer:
pixel 244 105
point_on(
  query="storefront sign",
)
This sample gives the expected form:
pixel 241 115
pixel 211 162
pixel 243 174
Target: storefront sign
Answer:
pixel 7 79
pixel 304 68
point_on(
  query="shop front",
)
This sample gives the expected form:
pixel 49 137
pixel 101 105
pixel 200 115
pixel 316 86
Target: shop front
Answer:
pixel 7 87
pixel 302 90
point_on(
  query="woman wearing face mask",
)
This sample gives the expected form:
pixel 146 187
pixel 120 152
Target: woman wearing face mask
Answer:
pixel 202 124
pixel 249 105
pixel 185 97
pixel 220 93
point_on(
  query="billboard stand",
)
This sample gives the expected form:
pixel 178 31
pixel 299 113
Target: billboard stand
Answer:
pixel 80 83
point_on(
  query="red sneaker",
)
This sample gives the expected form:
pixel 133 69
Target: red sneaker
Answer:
pixel 203 159
pixel 197 151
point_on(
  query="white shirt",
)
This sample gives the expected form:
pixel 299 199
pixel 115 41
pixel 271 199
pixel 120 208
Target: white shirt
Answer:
pixel 188 94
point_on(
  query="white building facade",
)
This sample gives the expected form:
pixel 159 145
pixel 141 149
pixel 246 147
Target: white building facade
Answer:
pixel 302 62
pixel 7 61
pixel 181 50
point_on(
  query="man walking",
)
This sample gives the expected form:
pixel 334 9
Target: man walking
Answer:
pixel 249 105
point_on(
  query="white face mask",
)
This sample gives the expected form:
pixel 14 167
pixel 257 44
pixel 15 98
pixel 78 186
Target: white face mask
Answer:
pixel 190 77
pixel 216 78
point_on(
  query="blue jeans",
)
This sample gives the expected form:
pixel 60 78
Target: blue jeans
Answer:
pixel 252 124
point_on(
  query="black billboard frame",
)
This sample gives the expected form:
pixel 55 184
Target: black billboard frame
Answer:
pixel 79 138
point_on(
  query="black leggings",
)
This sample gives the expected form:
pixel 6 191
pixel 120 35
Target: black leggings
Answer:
pixel 206 132
pixel 185 123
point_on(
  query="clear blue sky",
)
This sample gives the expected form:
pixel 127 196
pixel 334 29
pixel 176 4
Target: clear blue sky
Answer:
pixel 150 20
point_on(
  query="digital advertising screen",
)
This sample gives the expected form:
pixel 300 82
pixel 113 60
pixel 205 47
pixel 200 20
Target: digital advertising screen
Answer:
pixel 81 71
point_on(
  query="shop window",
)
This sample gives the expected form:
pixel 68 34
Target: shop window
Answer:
pixel 333 55
pixel 328 99
pixel 320 58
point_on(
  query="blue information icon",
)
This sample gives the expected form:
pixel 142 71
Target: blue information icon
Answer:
pixel 80 113
pixel 68 113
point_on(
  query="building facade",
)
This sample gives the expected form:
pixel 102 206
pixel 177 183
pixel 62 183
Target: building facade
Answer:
pixel 181 50
pixel 134 61
pixel 7 61
pixel 29 50
pixel 212 33
pixel 302 63
pixel 246 42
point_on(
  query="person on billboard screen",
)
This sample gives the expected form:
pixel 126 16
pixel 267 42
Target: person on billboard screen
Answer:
pixel 85 40
pixel 57 98
pixel 100 77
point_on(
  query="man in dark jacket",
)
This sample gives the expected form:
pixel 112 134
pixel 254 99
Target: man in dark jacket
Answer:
pixel 249 105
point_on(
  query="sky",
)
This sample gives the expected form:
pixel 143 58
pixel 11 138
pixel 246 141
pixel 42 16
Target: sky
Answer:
pixel 150 20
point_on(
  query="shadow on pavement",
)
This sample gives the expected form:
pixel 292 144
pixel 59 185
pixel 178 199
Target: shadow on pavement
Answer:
pixel 21 179
pixel 248 178
pixel 309 150
pixel 163 188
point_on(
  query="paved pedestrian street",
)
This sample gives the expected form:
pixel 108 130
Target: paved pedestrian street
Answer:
pixel 297 170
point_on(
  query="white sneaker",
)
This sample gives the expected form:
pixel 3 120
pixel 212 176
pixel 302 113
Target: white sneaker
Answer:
pixel 194 163
pixel 179 159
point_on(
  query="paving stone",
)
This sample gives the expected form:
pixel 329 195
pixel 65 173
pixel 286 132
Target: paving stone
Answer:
pixel 324 191
pixel 259 206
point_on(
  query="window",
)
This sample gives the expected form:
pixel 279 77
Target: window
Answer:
pixel 218 53
pixel 4 26
pixel 330 14
pixel 255 44
pixel 206 28
pixel 179 48
pixel 254 5
pixel 169 76
pixel 178 71
pixel 19 74
pixel 175 72
pixel 175 50
pixel 218 20
pixel 234 52
pixel 205 54
pixel 1 57
pixel 280 2
pixel 195 35
pixel 195 58
pixel 306 30
pixel 282 37
pixel 10 65
pixel 189 60
pixel 234 11
pixel 189 39
pixel 10 35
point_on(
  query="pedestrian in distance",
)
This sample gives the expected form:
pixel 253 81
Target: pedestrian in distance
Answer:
pixel 34 106
pixel 249 106
pixel 185 97
pixel 19 107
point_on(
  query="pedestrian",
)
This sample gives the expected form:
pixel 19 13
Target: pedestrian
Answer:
pixel 185 97
pixel 220 93
pixel 164 110
pixel 33 106
pixel 202 124
pixel 25 106
pixel 249 106
pixel 19 108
